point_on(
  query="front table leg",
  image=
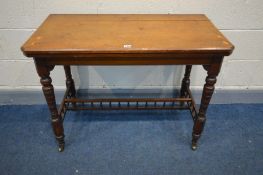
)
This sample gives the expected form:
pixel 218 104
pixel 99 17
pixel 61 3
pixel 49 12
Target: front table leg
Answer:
pixel 48 90
pixel 212 72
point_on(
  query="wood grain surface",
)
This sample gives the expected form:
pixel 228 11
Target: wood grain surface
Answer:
pixel 84 34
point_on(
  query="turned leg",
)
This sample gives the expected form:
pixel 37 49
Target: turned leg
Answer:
pixel 48 90
pixel 212 72
pixel 70 82
pixel 185 82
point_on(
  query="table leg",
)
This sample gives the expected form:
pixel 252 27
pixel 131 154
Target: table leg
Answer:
pixel 70 82
pixel 212 72
pixel 48 90
pixel 185 82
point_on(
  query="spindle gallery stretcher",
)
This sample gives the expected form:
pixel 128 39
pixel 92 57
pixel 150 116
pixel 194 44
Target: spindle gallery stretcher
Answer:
pixel 73 103
pixel 127 40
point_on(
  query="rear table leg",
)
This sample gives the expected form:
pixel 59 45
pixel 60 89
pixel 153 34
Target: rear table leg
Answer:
pixel 70 84
pixel 185 82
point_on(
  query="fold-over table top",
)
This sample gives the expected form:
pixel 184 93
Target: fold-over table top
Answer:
pixel 84 34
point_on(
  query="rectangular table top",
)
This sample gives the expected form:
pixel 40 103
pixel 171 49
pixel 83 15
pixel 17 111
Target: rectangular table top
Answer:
pixel 74 34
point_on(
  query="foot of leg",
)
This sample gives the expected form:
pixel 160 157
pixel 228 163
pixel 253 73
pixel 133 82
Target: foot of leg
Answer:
pixel 194 141
pixel 61 148
pixel 194 146
pixel 61 143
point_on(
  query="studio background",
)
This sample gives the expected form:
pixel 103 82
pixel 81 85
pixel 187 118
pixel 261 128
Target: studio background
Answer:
pixel 239 20
pixel 128 142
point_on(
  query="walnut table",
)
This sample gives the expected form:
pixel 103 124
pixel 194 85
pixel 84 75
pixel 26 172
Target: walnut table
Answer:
pixel 127 40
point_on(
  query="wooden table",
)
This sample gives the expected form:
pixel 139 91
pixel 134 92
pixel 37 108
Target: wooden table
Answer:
pixel 127 40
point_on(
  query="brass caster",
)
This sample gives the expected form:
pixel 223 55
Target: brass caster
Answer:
pixel 194 146
pixel 61 148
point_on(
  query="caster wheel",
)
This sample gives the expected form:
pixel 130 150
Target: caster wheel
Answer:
pixel 194 147
pixel 61 148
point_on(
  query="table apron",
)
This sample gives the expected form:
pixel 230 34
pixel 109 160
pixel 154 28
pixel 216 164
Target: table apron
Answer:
pixel 179 60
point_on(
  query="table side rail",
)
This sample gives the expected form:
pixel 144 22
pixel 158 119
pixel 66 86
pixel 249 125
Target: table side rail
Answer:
pixel 131 60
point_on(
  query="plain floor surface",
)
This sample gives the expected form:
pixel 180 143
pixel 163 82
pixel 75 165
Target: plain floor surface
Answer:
pixel 132 142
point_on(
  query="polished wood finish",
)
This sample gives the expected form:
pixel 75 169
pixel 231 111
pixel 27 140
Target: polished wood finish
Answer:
pixel 127 40
pixel 126 103
pixel 78 35
pixel 212 72
pixel 70 82
pixel 186 81
pixel 48 90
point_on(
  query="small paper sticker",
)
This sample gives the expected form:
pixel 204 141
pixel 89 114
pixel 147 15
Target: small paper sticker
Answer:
pixel 127 46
